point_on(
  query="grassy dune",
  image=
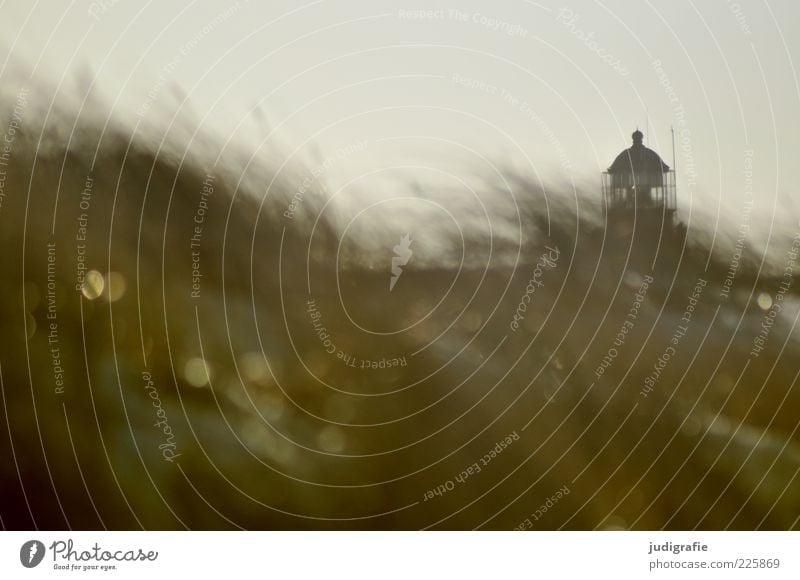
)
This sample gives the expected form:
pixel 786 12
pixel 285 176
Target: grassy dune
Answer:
pixel 156 397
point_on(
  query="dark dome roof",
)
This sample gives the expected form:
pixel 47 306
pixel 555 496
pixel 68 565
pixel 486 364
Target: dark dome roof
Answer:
pixel 638 159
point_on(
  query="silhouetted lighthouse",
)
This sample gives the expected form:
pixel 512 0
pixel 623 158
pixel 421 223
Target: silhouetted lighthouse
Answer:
pixel 639 190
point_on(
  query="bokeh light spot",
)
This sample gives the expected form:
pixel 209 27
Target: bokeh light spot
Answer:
pixel 93 284
pixel 115 286
pixel 197 372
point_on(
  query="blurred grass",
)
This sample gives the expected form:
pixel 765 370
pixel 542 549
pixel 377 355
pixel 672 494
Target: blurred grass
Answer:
pixel 268 444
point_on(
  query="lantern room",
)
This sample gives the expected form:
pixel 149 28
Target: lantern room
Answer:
pixel 639 181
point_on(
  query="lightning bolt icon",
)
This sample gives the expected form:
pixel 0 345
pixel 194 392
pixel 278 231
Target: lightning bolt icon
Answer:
pixel 33 551
pixel 402 254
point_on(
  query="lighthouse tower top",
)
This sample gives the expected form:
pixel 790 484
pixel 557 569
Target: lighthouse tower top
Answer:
pixel 639 181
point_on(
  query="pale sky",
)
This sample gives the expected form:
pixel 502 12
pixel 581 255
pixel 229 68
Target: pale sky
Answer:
pixel 553 87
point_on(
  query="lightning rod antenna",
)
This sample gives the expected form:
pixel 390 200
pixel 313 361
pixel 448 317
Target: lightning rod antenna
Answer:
pixel 674 162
